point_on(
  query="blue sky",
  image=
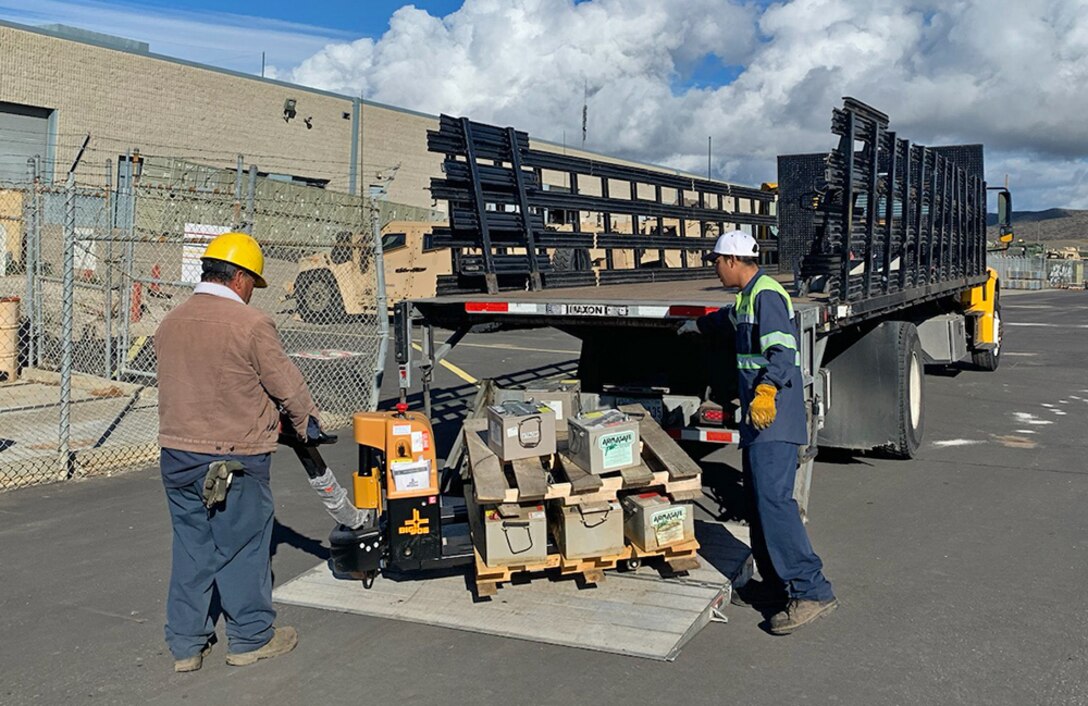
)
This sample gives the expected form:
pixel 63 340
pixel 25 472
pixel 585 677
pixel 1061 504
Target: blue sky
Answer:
pixel 369 18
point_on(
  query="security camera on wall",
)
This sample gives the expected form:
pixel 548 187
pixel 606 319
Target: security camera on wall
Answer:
pixel 289 110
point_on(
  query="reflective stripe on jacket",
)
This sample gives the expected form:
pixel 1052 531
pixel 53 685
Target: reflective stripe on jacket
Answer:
pixel 767 351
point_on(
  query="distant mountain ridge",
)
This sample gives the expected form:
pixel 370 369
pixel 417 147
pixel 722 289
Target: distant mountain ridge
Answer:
pixel 1053 224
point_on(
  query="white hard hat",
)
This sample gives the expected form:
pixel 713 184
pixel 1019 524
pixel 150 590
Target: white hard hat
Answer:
pixel 735 242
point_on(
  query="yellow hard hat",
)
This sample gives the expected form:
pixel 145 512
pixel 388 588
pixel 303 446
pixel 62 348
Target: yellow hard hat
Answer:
pixel 240 250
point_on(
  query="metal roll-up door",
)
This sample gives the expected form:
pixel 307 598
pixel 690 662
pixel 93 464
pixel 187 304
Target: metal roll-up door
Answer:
pixel 24 134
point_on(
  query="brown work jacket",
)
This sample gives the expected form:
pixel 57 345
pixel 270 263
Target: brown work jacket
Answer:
pixel 222 371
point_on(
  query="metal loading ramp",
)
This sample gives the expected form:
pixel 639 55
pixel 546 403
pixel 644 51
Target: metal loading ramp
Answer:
pixel 639 613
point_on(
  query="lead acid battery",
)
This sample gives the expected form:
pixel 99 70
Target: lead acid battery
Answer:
pixel 514 534
pixel 653 522
pixel 588 530
pixel 563 396
pixel 603 441
pixel 517 430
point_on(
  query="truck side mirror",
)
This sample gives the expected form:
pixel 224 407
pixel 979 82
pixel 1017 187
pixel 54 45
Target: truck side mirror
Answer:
pixel 1004 210
pixel 1004 217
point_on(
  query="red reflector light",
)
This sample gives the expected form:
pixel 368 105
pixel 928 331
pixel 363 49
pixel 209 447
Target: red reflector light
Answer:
pixel 722 436
pixel 691 312
pixel 713 415
pixel 479 307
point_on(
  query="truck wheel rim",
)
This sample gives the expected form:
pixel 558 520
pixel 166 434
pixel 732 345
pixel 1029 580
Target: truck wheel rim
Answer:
pixel 915 392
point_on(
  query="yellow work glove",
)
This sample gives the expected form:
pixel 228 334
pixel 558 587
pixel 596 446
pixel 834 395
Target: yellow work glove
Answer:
pixel 762 411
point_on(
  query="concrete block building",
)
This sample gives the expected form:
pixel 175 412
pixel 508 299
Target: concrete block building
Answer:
pixel 59 84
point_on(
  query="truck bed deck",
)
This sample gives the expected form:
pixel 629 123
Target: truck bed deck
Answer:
pixel 657 303
pixel 643 303
pixel 697 292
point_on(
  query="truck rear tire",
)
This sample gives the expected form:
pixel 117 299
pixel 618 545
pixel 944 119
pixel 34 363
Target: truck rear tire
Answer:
pixel 318 298
pixel 988 360
pixel 910 391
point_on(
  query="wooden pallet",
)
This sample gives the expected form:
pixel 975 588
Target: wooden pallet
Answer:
pixel 677 559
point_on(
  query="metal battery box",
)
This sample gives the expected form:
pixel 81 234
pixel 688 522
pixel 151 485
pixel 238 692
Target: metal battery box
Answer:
pixel 603 441
pixel 514 534
pixel 652 521
pixel 588 530
pixel 563 396
pixel 518 430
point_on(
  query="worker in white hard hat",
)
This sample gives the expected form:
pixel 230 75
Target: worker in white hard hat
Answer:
pixel 773 428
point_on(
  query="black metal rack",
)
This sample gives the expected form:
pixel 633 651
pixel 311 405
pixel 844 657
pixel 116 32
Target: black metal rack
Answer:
pixel 886 221
pixel 503 198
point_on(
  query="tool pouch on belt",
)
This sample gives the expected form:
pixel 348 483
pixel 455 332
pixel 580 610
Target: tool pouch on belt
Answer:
pixel 217 481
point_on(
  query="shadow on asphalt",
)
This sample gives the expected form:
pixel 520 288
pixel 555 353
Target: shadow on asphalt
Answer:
pixel 282 534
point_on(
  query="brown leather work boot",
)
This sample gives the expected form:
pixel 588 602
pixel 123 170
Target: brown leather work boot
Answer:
pixel 800 612
pixel 191 664
pixel 283 641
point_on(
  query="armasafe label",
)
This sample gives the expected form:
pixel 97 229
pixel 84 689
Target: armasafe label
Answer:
pixel 668 525
pixel 617 449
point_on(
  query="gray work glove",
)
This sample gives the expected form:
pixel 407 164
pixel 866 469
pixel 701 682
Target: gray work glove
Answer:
pixel 217 481
pixel 689 327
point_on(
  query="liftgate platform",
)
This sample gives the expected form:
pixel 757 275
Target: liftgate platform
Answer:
pixel 637 613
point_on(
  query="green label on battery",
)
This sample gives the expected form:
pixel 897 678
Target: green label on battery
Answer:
pixel 617 449
pixel 668 525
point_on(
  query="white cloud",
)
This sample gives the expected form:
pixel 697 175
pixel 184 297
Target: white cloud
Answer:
pixel 1011 74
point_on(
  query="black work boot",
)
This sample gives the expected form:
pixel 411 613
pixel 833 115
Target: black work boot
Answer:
pixel 800 612
pixel 760 595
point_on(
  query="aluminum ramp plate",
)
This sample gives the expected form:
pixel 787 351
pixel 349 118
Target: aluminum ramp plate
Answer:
pixel 638 614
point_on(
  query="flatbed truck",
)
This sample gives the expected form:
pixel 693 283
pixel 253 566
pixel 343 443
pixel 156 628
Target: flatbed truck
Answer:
pixel 882 244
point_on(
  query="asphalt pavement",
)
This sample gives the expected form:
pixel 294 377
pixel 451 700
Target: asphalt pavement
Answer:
pixel 960 573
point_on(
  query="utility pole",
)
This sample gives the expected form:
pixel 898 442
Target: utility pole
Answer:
pixel 262 64
pixel 708 144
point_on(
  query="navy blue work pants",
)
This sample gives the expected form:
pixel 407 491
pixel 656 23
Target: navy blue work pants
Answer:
pixel 780 544
pixel 225 548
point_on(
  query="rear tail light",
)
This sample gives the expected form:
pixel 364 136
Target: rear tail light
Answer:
pixel 714 416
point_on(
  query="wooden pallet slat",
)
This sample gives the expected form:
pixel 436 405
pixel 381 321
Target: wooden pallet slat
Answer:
pixel 662 446
pixel 531 478
pixel 488 478
pixel 637 477
pixel 580 480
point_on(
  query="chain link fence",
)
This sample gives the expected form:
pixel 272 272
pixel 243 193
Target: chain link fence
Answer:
pixel 91 267
pixel 1038 272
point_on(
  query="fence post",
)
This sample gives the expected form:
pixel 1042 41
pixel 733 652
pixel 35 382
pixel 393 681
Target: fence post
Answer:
pixel 377 195
pixel 67 312
pixel 238 193
pixel 107 291
pixel 29 258
pixel 251 198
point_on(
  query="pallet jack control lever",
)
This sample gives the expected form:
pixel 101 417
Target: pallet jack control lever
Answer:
pixel 321 478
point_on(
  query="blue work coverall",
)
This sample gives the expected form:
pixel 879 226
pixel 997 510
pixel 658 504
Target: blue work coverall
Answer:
pixel 768 352
pixel 225 548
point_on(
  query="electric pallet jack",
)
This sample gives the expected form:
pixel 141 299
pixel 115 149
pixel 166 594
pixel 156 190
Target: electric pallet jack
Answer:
pixel 413 527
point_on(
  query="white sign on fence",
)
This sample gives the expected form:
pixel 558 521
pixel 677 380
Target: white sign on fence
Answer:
pixel 86 253
pixel 197 237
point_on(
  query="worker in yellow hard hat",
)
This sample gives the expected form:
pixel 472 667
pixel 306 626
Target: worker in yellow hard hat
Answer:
pixel 223 378
pixel 232 252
